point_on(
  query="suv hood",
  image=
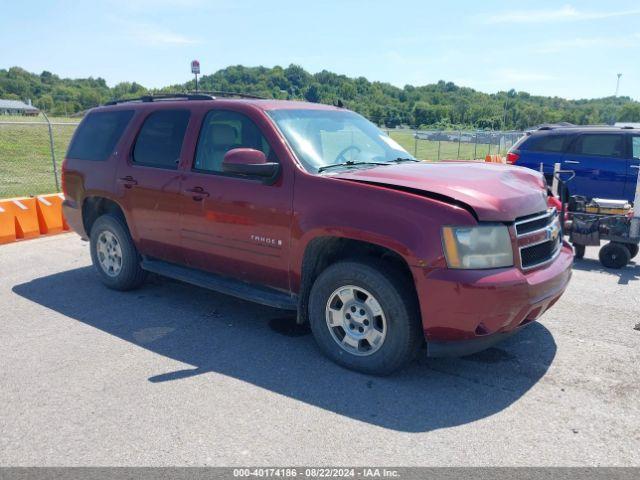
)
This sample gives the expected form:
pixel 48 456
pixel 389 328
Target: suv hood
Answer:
pixel 495 192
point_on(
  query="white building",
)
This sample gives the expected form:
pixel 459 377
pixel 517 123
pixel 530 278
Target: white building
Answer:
pixel 17 107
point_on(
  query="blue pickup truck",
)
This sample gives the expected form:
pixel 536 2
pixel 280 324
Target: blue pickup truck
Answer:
pixel 605 159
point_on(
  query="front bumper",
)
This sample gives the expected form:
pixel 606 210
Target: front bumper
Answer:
pixel 465 311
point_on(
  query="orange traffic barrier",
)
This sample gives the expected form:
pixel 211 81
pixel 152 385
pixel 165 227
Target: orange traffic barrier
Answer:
pixel 25 216
pixel 22 218
pixel 49 210
pixel 495 159
pixel 7 226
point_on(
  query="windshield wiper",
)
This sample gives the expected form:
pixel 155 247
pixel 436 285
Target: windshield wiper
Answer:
pixel 349 163
pixel 400 160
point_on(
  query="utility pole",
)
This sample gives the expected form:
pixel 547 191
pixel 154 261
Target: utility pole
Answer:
pixel 504 113
pixel 618 84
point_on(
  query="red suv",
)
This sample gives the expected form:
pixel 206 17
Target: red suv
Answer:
pixel 312 208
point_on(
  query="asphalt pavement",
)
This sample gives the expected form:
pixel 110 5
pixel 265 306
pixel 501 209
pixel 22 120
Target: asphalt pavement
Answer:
pixel 172 374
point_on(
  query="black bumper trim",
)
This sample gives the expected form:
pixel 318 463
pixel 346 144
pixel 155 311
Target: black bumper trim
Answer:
pixel 462 348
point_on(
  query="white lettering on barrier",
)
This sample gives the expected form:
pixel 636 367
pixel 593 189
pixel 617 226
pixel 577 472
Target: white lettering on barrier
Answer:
pixel 45 201
pixel 20 205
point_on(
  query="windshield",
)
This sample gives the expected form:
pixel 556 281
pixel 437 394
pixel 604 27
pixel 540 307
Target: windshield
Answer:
pixel 321 138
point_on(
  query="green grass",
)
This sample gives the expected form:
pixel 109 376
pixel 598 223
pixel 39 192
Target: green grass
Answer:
pixel 434 151
pixel 25 155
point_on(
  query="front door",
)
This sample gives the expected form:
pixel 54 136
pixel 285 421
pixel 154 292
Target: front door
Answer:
pixel 234 225
pixel 599 162
pixel 149 184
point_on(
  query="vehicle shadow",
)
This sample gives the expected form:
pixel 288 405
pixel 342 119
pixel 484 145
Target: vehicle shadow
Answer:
pixel 263 346
pixel 626 274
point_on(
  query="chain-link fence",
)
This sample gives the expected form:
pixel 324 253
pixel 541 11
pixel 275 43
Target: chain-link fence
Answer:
pixel 435 145
pixel 32 150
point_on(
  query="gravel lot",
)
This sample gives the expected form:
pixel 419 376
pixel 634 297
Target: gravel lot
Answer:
pixel 175 375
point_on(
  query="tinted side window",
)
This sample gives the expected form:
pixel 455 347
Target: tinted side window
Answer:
pixel 160 139
pixel 600 145
pixel 98 134
pixel 548 143
pixel 635 147
pixel 223 131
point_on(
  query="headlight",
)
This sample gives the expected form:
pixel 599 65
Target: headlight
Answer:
pixel 485 246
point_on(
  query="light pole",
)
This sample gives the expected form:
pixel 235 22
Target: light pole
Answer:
pixel 618 84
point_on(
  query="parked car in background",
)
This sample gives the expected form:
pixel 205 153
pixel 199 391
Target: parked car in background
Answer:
pixel 605 159
pixel 312 208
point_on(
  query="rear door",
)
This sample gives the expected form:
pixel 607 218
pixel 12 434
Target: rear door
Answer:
pixel 599 162
pixel 235 225
pixel 148 182
pixel 634 166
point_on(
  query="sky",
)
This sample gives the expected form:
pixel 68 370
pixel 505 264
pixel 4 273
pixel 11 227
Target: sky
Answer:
pixel 571 50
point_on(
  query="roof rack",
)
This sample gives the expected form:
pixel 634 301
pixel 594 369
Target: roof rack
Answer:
pixel 164 96
pixel 222 93
pixel 209 95
pixel 553 126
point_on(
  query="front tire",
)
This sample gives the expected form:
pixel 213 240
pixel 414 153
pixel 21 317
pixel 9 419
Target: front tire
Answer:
pixel 114 255
pixel 578 250
pixel 364 319
pixel 633 249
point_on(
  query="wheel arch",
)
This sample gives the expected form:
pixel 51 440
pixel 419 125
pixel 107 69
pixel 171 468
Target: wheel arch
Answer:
pixel 95 206
pixel 324 251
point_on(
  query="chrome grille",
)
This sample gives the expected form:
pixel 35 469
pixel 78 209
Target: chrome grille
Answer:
pixel 535 223
pixel 539 238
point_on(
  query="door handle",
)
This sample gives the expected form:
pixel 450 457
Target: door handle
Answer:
pixel 128 181
pixel 572 161
pixel 635 166
pixel 196 192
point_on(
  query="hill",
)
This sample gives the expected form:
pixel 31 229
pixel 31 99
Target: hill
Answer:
pixel 439 105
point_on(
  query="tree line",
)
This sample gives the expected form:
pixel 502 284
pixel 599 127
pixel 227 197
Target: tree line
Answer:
pixel 439 105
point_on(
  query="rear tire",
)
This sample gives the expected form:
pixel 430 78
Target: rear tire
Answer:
pixel 614 255
pixel 376 329
pixel 114 255
pixel 633 249
pixel 578 251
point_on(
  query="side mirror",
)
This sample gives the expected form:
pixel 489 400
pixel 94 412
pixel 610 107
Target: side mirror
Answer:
pixel 248 161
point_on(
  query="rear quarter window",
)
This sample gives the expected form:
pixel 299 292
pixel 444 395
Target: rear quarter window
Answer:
pixel 98 134
pixel 547 143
